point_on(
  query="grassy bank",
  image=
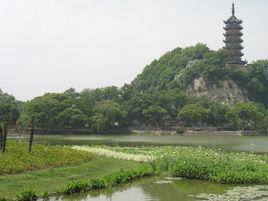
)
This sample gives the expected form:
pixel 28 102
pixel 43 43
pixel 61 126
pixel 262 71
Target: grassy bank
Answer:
pixel 56 179
pixel 195 162
pixel 18 160
pixel 109 180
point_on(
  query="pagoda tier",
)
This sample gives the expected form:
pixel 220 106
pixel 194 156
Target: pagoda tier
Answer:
pixel 233 20
pixel 233 33
pixel 233 26
pixel 234 46
pixel 233 41
pixel 236 53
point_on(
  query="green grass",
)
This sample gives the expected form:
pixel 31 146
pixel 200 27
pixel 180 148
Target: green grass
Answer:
pixel 55 179
pixel 18 160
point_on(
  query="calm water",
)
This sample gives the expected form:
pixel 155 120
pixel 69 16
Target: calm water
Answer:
pixel 230 143
pixel 167 189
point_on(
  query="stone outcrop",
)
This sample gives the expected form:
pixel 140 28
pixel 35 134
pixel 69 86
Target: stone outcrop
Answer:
pixel 226 92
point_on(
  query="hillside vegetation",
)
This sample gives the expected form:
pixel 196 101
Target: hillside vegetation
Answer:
pixel 180 67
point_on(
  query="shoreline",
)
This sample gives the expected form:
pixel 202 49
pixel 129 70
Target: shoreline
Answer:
pixel 201 133
pixel 153 131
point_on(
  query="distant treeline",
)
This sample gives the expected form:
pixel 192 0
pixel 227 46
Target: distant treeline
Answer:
pixel 106 109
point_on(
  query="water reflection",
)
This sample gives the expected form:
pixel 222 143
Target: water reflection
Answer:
pixel 153 189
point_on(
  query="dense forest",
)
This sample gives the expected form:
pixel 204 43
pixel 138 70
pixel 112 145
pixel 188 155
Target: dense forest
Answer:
pixel 155 98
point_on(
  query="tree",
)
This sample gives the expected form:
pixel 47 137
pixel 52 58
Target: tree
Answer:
pixel 246 116
pixel 136 105
pixel 108 115
pixel 216 115
pixel 171 101
pixel 72 118
pixel 33 115
pixel 193 114
pixel 9 113
pixel 155 115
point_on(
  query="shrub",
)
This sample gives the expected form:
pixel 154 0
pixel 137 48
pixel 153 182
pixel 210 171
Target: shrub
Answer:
pixel 26 195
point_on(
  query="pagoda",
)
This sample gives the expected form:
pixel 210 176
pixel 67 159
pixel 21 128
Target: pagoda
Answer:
pixel 233 41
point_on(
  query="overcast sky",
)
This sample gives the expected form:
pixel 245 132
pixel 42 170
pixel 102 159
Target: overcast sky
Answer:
pixel 52 45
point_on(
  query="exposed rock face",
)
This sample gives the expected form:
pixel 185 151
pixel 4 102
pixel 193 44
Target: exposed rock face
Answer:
pixel 227 92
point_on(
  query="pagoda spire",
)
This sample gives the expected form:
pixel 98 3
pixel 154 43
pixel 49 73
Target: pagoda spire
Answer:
pixel 233 39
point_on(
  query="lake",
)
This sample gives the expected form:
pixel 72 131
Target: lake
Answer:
pixel 257 144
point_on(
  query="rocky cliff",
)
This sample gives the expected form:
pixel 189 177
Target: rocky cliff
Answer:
pixel 226 92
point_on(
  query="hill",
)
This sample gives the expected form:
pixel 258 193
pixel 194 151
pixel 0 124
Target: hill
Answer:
pixel 184 88
pixel 199 71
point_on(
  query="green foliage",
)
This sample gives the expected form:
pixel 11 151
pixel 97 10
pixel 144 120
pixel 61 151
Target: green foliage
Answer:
pixel 247 116
pixel 9 113
pixel 18 160
pixel 108 115
pixel 45 196
pixel 254 81
pixel 99 109
pixel 47 110
pixel 108 181
pixel 222 169
pixel 2 198
pixel 193 114
pixel 72 118
pixel 9 109
pixel 161 74
pixel 154 115
pixel 26 195
pixel 178 68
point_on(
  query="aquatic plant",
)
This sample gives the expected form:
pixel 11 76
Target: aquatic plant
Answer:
pixel 108 180
pixel 195 162
pixel 26 195
pixel 104 151
pixel 259 193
